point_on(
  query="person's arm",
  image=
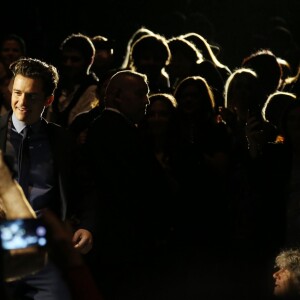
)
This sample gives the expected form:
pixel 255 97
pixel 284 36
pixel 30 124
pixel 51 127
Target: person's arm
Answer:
pixel 13 203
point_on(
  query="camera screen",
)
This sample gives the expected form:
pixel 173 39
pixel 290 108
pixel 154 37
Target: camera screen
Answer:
pixel 22 233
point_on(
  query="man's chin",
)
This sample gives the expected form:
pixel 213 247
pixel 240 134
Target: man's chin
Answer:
pixel 22 116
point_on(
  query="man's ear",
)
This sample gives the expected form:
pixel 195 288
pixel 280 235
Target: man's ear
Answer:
pixel 49 100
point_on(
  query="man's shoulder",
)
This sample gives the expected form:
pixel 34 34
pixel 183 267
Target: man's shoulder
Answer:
pixel 53 126
pixel 57 131
pixel 110 119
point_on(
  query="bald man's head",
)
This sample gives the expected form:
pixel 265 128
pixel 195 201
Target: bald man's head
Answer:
pixel 127 91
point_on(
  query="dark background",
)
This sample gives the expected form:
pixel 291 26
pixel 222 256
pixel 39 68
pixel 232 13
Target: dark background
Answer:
pixel 235 25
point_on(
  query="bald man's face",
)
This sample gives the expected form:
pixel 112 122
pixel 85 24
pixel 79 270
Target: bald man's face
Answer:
pixel 132 97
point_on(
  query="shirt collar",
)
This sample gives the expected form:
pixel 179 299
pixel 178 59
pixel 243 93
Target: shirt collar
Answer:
pixel 19 125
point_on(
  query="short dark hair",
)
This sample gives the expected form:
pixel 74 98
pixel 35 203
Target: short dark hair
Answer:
pixel 17 38
pixel 81 43
pixel 37 69
pixel 155 43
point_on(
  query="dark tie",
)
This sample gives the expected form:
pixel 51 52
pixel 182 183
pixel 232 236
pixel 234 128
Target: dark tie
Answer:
pixel 24 161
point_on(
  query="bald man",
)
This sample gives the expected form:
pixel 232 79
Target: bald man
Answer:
pixel 129 182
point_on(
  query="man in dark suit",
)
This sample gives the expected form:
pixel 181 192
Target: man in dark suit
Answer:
pixel 51 174
pixel 133 193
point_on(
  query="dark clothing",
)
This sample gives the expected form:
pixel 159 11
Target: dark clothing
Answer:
pixel 63 152
pixel 84 119
pixel 132 211
pixel 53 184
pixel 61 117
pixel 133 207
pixel 37 286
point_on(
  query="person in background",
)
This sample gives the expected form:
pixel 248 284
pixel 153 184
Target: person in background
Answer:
pixel 158 130
pixel 133 222
pixel 184 62
pixel 207 51
pixel 287 275
pixel 201 161
pixel 267 67
pixel 140 32
pixel 12 47
pixel 76 90
pixel 282 110
pixel 104 59
pixel 83 120
pixel 150 55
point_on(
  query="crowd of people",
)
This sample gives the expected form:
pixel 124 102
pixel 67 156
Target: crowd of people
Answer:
pixel 176 175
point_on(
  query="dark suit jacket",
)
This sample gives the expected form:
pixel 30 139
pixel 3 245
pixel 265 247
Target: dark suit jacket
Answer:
pixel 70 198
pixel 132 190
